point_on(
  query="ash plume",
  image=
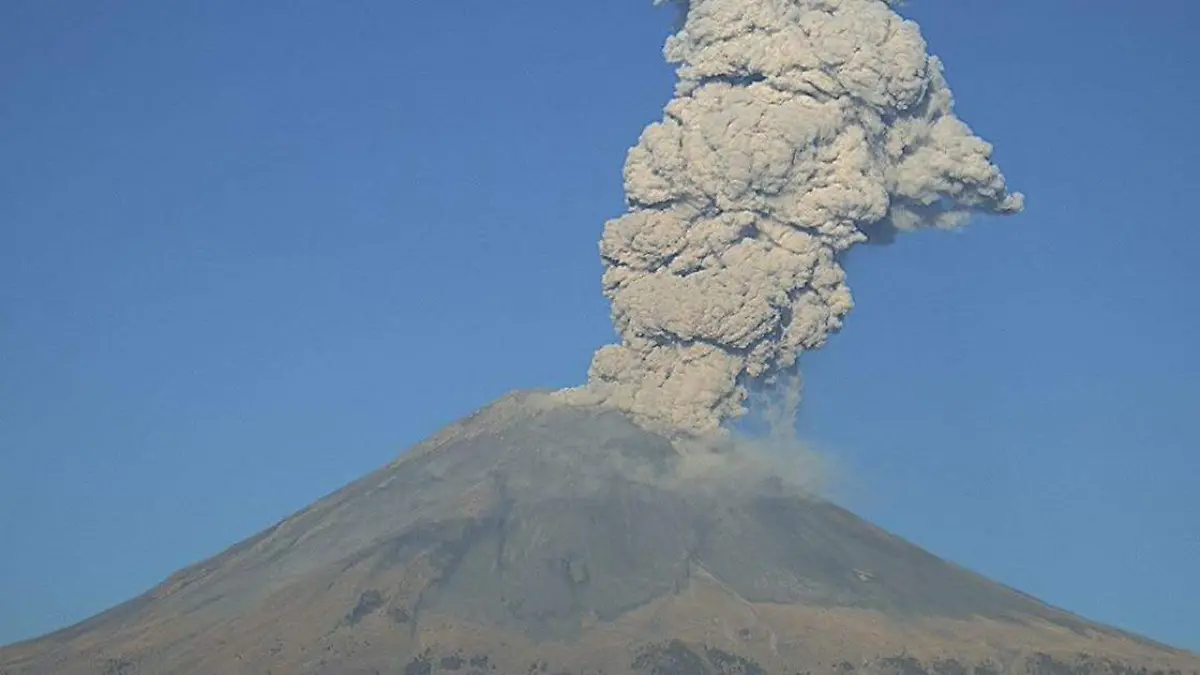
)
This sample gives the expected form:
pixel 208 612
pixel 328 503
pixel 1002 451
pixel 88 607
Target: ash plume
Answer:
pixel 799 129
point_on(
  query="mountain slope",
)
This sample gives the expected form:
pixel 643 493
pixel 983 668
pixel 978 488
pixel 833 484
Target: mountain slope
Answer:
pixel 540 536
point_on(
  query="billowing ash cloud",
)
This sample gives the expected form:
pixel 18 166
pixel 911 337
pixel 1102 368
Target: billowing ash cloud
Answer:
pixel 799 129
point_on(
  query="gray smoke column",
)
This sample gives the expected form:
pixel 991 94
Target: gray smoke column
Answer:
pixel 799 129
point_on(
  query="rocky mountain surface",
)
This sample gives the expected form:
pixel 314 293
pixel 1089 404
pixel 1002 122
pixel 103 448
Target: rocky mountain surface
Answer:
pixel 540 537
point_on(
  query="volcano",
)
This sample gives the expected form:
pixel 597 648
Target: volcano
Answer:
pixel 542 537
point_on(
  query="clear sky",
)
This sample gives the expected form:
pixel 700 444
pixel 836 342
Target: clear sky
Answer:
pixel 251 251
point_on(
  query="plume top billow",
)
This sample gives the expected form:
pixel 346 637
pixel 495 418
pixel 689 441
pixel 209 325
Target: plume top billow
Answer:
pixel 799 129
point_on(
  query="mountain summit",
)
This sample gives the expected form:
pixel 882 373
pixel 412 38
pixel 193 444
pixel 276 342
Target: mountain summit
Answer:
pixel 538 536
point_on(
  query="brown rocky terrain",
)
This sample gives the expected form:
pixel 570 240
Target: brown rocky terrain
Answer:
pixel 537 537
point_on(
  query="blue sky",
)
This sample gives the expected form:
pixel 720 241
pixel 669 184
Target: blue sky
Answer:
pixel 250 251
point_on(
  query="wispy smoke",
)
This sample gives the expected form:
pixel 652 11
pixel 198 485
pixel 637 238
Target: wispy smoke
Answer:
pixel 799 129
